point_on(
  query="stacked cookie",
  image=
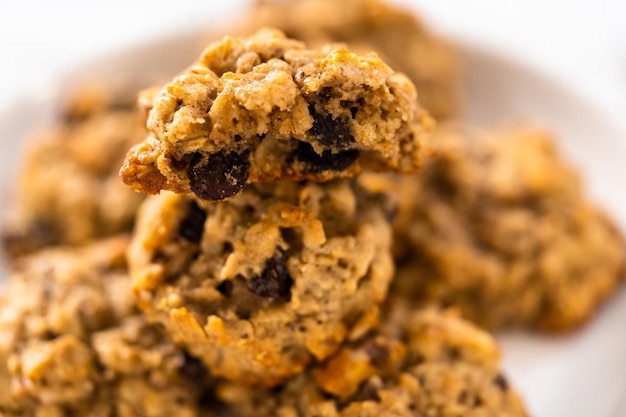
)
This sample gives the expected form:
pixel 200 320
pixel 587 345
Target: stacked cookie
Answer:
pixel 499 226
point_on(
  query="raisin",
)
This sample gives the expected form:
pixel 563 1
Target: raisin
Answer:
pixel 40 234
pixel 274 281
pixel 192 368
pixel 329 131
pixel 463 396
pixel 379 356
pixel 225 287
pixel 192 226
pixel 219 175
pixel 501 382
pixel 327 161
pixel 227 248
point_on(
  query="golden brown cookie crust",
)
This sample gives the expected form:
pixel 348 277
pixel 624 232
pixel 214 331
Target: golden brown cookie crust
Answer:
pixel 264 108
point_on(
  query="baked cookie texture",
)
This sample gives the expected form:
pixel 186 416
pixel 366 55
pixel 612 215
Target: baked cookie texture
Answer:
pixel 73 343
pixel 260 285
pixel 68 188
pixel 264 108
pixel 421 363
pixel 399 37
pixel 500 226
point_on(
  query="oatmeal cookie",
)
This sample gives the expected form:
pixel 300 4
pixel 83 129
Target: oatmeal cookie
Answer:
pixel 73 343
pixel 396 35
pixel 260 285
pixel 263 108
pixel 500 226
pixel 69 190
pixel 426 363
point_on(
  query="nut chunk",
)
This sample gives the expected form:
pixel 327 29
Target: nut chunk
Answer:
pixel 259 286
pixel 263 108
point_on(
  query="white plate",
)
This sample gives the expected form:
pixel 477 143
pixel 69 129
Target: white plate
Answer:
pixel 577 375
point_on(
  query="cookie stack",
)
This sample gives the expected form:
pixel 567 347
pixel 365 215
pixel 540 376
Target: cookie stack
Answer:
pixel 277 285
pixel 302 247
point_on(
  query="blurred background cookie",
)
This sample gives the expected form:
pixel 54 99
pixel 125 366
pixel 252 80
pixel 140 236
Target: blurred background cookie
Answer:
pixel 73 343
pixel 499 225
pixel 68 189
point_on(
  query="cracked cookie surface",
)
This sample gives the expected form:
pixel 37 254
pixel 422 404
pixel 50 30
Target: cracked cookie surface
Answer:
pixel 68 188
pixel 499 225
pixel 420 363
pixel 398 36
pixel 74 344
pixel 260 285
pixel 263 108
